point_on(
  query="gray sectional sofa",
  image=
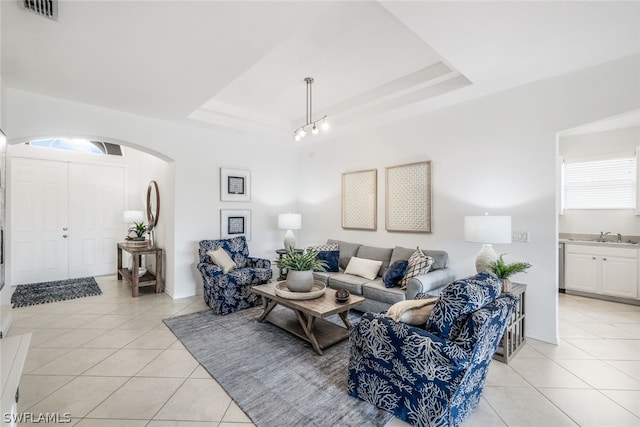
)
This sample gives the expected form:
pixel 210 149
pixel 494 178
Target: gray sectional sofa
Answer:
pixel 378 297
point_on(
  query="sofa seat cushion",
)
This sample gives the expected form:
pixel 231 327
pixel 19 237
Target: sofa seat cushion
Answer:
pixel 376 290
pixel 376 254
pixel 323 276
pixel 347 281
pixel 440 258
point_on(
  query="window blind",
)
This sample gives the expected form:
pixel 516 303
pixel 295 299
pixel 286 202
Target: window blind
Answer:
pixel 601 184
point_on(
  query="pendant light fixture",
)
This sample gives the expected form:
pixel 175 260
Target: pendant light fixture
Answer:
pixel 314 126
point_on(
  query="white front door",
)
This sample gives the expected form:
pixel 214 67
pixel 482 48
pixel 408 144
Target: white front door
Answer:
pixel 39 215
pixel 66 219
pixel 95 218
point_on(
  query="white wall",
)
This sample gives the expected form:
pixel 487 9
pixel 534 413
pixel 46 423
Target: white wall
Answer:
pixel 190 190
pixel 623 221
pixel 496 154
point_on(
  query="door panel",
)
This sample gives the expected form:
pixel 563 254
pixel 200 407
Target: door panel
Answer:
pixel 39 207
pixel 97 202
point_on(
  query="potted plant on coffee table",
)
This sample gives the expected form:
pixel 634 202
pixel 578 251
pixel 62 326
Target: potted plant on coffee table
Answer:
pixel 503 270
pixel 300 267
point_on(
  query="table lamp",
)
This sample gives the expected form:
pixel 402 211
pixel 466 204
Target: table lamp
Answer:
pixel 487 229
pixel 289 221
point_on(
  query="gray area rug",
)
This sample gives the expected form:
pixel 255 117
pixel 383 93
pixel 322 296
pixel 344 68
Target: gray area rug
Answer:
pixel 276 378
pixel 60 290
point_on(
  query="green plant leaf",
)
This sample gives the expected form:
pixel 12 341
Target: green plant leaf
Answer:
pixel 301 261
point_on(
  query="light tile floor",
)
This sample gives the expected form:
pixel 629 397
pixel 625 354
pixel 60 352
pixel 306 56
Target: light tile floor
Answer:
pixel 109 360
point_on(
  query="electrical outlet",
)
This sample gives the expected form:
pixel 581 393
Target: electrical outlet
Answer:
pixel 520 236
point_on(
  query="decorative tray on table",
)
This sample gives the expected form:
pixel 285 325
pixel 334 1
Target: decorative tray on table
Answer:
pixel 316 291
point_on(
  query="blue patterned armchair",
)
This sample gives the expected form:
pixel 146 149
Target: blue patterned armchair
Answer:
pixel 226 293
pixel 434 376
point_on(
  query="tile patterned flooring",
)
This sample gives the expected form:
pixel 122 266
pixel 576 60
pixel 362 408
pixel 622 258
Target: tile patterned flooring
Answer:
pixel 109 360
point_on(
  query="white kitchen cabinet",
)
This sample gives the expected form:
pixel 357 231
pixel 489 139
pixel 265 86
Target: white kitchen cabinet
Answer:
pixel 602 270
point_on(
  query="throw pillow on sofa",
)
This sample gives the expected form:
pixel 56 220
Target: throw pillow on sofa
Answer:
pixel 419 263
pixel 221 258
pixel 329 253
pixel 395 273
pixel 363 267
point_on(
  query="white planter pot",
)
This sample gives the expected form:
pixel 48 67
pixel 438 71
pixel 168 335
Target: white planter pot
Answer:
pixel 300 281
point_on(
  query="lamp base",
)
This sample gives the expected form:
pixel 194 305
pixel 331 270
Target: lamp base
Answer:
pixel 289 240
pixel 485 257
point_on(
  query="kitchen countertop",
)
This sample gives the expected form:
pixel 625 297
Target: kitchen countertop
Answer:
pixel 593 240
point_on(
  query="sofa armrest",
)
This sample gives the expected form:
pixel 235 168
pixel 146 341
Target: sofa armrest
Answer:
pixel 430 281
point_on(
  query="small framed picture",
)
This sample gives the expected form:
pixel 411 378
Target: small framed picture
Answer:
pixel 235 222
pixel 235 185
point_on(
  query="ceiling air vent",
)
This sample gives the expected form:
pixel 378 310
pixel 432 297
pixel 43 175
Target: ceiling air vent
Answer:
pixel 46 8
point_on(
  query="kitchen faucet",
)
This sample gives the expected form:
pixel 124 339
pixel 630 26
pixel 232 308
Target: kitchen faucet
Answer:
pixel 603 236
pixel 619 238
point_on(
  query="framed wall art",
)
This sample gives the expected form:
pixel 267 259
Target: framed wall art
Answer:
pixel 408 197
pixel 235 222
pixel 359 199
pixel 235 185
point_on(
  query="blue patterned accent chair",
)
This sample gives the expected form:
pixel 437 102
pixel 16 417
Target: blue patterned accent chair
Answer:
pixel 433 376
pixel 226 293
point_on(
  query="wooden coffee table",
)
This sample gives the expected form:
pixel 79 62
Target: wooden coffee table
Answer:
pixel 306 318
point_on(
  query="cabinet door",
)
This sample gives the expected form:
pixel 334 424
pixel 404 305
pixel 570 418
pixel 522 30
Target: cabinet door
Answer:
pixel 620 277
pixel 581 272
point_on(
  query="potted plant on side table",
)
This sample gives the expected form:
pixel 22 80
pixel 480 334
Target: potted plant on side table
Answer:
pixel 300 268
pixel 503 270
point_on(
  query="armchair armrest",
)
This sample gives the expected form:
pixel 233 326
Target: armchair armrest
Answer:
pixel 258 262
pixel 429 282
pixel 209 269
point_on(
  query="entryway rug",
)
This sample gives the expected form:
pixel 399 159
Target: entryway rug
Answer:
pixel 276 378
pixel 41 293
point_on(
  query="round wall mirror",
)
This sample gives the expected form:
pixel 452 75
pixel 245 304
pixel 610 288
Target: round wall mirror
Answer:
pixel 153 204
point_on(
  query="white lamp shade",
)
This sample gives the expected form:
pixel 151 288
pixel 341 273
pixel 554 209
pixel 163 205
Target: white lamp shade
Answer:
pixel 487 229
pixel 133 216
pixel 290 221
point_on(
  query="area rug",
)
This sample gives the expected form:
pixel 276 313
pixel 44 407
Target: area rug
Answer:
pixel 276 378
pixel 40 293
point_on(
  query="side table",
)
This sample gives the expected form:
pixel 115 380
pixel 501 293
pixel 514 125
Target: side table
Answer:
pixel 281 253
pixel 513 338
pixel 148 278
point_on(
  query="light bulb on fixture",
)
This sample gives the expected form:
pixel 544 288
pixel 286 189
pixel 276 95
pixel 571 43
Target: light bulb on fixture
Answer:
pixel 301 132
pixel 325 125
pixel 314 129
pixel 297 137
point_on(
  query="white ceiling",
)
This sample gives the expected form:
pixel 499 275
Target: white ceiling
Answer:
pixel 242 65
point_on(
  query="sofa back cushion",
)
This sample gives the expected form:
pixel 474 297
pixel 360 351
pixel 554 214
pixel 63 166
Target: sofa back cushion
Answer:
pixel 236 248
pixel 460 298
pixel 347 250
pixel 440 258
pixel 377 254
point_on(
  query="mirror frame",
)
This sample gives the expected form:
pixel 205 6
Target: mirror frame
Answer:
pixel 152 217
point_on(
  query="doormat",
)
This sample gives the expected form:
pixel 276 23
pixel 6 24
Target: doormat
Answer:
pixel 60 290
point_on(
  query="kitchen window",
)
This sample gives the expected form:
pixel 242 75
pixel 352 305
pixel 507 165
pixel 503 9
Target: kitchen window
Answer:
pixel 599 183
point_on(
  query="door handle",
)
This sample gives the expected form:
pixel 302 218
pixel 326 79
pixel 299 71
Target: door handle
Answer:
pixel 64 228
pixel 65 236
